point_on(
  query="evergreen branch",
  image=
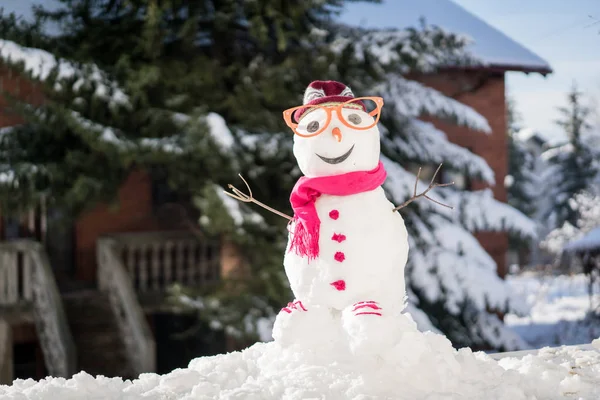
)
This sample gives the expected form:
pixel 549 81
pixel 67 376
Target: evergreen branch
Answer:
pixel 432 185
pixel 247 198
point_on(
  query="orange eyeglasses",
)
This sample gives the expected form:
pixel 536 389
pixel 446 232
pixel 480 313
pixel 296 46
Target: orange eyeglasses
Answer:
pixel 321 115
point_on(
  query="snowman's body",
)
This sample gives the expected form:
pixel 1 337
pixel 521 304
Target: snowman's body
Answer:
pixel 362 244
pixel 355 284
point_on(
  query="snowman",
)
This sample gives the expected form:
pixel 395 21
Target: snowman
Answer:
pixel 348 245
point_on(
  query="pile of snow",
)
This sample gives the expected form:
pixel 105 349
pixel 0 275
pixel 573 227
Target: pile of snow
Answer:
pixel 560 310
pixel 417 366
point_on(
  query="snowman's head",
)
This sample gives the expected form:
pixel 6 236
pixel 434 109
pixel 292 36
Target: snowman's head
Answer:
pixel 335 132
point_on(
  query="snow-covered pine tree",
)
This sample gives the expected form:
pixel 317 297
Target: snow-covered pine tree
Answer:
pixel 522 181
pixel 587 205
pixel 572 166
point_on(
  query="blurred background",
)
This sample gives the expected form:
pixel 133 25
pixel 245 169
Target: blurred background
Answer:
pixel 122 122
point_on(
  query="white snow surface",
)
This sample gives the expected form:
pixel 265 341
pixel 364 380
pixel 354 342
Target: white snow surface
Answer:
pixel 490 46
pixel 560 307
pixel 417 366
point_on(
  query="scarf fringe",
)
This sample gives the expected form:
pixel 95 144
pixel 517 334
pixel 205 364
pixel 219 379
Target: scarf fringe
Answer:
pixel 303 240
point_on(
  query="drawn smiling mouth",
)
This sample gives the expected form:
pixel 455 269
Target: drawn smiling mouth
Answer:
pixel 339 159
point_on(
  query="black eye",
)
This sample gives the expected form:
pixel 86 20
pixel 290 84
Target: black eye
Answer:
pixel 313 126
pixel 354 118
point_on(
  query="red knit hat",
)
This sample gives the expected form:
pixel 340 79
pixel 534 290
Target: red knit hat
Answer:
pixel 330 92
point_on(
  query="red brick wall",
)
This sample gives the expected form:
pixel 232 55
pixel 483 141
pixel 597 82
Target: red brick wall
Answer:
pixel 133 213
pixel 14 85
pixel 484 92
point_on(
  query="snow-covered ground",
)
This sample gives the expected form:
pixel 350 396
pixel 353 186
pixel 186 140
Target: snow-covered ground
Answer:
pixel 559 305
pixel 413 366
pixel 396 362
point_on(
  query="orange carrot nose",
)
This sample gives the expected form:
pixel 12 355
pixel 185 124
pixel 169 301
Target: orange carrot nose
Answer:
pixel 337 134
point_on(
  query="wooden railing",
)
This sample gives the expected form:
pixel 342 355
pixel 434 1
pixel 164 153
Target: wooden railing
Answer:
pixel 6 359
pixel 156 260
pixel 26 277
pixel 15 275
pixel 114 280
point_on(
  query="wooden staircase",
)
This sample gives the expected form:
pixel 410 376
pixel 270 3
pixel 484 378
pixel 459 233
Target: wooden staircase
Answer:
pixel 96 333
pixel 105 331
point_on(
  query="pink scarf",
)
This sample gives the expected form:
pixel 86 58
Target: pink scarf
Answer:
pixel 305 240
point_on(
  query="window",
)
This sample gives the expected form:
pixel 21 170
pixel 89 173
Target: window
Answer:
pixel 427 171
pixel 461 180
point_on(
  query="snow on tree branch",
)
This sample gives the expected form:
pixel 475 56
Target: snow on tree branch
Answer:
pixel 41 65
pixel 412 99
pixel 423 49
pixel 457 267
pixel 480 211
pixel 423 141
pixel 217 126
pixel 106 134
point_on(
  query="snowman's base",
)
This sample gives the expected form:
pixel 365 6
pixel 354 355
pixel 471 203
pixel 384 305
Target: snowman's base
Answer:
pixel 417 366
pixel 363 328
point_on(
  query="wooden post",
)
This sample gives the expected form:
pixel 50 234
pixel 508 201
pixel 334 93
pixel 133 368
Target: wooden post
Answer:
pixel 233 265
pixel 6 354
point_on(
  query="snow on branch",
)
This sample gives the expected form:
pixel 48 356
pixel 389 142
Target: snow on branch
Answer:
pixel 481 212
pixel 412 99
pixel 216 124
pixel 458 269
pixel 422 49
pixel 423 141
pixel 112 136
pixel 217 127
pixel 41 65
pixel 219 130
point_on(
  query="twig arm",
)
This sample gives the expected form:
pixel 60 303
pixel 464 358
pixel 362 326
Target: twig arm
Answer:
pixel 431 186
pixel 248 198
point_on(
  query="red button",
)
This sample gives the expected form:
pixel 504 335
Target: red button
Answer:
pixel 334 214
pixel 338 237
pixel 339 285
pixel 339 256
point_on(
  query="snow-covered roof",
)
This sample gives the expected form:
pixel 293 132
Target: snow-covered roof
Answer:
pixel 492 47
pixel 590 241
pixel 526 134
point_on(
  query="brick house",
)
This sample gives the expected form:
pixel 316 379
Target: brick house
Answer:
pixel 139 249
